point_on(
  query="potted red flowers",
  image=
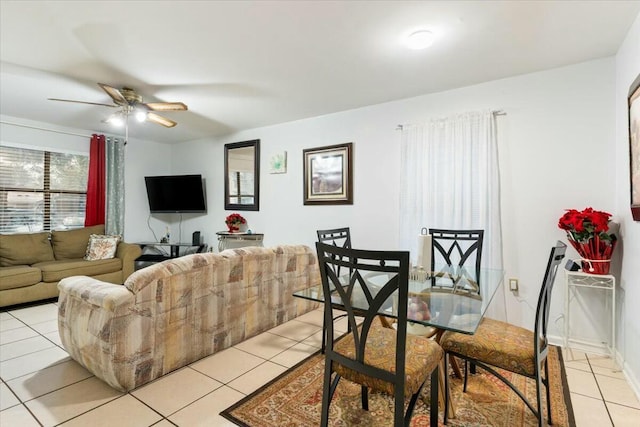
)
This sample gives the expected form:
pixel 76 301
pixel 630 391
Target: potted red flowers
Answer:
pixel 234 221
pixel 587 232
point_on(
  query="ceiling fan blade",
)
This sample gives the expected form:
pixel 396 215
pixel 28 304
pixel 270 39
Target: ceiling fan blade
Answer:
pixel 166 106
pixel 153 117
pixel 82 102
pixel 114 93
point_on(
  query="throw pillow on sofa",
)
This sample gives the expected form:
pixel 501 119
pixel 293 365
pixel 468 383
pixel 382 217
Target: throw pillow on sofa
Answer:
pixel 101 247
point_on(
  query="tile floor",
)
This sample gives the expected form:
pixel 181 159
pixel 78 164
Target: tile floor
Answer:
pixel 41 386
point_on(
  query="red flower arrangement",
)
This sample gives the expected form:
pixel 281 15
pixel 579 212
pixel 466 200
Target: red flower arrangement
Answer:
pixel 587 232
pixel 234 221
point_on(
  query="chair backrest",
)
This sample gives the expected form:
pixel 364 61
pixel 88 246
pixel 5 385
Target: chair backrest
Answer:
pixel 460 251
pixel 338 237
pixel 544 300
pixel 361 265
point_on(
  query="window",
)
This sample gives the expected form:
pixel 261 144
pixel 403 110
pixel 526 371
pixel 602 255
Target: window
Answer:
pixel 41 190
pixel 241 186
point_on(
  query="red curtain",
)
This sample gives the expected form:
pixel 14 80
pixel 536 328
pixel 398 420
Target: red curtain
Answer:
pixel 96 186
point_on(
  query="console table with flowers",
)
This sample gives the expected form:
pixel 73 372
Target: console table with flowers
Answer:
pixel 577 280
pixel 227 240
pixel 589 232
pixel 237 234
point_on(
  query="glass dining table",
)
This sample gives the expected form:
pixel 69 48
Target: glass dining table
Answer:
pixel 448 299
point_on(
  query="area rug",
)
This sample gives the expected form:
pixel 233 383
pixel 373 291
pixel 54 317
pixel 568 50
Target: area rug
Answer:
pixel 294 399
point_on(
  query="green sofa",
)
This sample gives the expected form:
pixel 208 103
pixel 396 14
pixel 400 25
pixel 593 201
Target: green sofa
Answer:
pixel 31 265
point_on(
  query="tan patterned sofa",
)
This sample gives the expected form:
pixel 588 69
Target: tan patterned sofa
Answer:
pixel 170 314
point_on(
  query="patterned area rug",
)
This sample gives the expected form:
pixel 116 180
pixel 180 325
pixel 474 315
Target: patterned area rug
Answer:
pixel 294 399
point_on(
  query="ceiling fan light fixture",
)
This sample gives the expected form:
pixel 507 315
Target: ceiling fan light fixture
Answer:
pixel 420 39
pixel 129 104
pixel 141 115
pixel 116 120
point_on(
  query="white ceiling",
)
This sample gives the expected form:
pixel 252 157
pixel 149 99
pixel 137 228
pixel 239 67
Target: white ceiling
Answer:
pixel 244 64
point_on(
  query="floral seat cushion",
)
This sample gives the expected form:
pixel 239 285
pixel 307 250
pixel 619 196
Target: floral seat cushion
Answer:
pixel 495 343
pixel 422 357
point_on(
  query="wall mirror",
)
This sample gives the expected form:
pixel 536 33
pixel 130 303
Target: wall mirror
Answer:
pixel 242 176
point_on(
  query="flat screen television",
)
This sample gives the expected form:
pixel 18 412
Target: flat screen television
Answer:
pixel 176 194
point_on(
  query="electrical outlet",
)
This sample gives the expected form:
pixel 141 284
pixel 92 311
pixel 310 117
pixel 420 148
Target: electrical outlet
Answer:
pixel 513 285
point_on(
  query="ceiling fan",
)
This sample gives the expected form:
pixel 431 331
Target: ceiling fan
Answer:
pixel 130 103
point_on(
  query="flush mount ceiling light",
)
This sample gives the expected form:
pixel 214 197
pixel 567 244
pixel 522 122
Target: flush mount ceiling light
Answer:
pixel 420 39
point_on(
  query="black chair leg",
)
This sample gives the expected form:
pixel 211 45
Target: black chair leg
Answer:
pixel 324 335
pixel 364 393
pixel 446 388
pixel 326 396
pixel 466 375
pixel 433 406
pixel 548 385
pixel 539 397
pixel 411 406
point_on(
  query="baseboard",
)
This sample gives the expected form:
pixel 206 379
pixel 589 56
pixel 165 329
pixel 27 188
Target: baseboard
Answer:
pixel 634 383
pixel 555 340
pixel 584 346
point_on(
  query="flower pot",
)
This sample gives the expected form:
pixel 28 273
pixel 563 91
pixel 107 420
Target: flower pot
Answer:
pixel 595 254
pixel 233 228
pixel 596 266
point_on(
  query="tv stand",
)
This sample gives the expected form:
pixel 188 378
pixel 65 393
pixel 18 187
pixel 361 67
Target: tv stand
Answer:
pixel 174 250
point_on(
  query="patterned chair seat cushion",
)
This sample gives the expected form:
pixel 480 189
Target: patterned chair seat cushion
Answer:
pixel 495 343
pixel 422 357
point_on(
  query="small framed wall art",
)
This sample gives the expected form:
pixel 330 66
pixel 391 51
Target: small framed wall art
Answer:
pixel 278 163
pixel 328 175
pixel 634 147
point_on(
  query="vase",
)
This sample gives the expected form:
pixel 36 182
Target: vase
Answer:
pixel 596 266
pixel 232 228
pixel 595 254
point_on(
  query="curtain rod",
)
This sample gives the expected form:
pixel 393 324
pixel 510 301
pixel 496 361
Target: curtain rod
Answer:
pixel 495 113
pixel 45 129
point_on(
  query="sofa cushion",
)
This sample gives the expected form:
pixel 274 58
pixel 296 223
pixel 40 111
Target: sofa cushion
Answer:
pixel 58 270
pixel 25 249
pixel 72 244
pixel 101 247
pixel 19 276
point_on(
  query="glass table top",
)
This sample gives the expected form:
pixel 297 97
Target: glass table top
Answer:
pixel 452 301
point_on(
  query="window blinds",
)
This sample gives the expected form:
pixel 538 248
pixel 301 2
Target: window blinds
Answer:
pixel 41 190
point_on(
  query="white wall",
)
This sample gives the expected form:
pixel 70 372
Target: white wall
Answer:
pixel 25 133
pixel 143 158
pixel 555 154
pixel 627 69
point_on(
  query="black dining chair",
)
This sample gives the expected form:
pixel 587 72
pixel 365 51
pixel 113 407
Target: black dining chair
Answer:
pixel 455 254
pixel 501 345
pixel 371 355
pixel 339 237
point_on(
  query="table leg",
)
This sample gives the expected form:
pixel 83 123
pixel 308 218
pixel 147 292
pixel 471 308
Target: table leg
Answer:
pixel 441 382
pixel 454 365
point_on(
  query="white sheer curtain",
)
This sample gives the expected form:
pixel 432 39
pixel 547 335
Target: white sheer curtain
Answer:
pixel 450 180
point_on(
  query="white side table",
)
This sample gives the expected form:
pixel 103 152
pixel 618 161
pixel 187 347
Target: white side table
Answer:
pixel 576 280
pixel 228 240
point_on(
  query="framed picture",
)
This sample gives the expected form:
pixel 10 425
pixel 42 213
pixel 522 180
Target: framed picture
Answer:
pixel 278 163
pixel 634 147
pixel 328 175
